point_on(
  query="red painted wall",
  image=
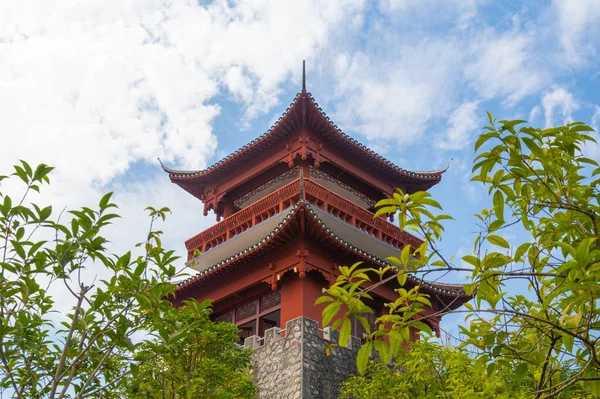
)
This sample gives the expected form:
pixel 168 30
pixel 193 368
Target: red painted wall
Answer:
pixel 298 296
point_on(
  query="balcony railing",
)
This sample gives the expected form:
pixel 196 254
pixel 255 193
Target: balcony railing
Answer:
pixel 285 197
pixel 358 217
pixel 246 218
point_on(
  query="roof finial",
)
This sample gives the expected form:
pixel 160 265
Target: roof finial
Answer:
pixel 303 76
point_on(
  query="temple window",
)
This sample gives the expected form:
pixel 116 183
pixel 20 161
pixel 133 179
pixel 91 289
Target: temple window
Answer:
pixel 255 316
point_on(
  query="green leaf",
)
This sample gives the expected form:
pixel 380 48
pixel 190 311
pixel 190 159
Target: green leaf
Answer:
pixel 402 277
pixel 345 330
pixel 593 386
pixel 419 325
pixel 362 359
pixel 324 299
pixel 534 148
pixel 6 206
pixel 396 341
pixel 383 350
pixel 386 210
pixel 27 168
pixel 104 201
pixel 568 341
pixel 364 323
pixel 21 174
pixel 139 269
pixel 472 260
pixel 405 254
pixel 572 321
pixel 521 251
pixel 483 138
pixel 330 312
pixel 499 241
pixel 499 204
pixel 469 288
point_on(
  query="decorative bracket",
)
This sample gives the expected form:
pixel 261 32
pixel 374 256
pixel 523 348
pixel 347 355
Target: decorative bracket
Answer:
pixel 291 156
pixel 302 253
pixel 318 155
pixel 303 140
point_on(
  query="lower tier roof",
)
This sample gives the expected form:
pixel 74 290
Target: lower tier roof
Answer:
pixel 332 231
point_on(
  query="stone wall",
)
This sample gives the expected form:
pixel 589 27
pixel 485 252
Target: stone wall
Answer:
pixel 301 362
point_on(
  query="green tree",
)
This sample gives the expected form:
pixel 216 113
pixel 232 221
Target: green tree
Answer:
pixel 429 370
pixel 541 185
pixel 203 359
pixel 91 351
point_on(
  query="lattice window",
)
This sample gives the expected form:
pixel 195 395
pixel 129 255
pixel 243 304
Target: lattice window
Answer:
pixel 225 317
pixel 246 310
pixel 270 300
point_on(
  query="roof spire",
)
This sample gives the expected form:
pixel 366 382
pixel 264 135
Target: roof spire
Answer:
pixel 303 76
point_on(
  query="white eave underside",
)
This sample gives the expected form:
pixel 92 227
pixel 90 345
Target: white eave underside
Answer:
pixel 254 235
pixel 236 244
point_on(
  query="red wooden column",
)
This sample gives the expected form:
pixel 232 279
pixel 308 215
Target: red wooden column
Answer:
pixel 298 296
pixel 228 208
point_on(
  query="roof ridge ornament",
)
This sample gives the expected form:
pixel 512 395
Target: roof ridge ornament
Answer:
pixel 303 76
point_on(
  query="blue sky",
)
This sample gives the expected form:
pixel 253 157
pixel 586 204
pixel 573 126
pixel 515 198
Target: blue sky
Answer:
pixel 100 92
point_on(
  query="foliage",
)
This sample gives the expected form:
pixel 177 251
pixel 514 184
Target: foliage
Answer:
pixel 203 361
pixel 429 370
pixel 91 350
pixel 543 189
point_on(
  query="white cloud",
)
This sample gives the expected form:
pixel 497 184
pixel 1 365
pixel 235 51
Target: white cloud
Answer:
pixel 396 99
pixel 596 119
pixel 461 11
pixel 504 65
pixel 578 23
pixel 467 11
pixel 559 106
pixel 409 82
pixel 91 88
pixel 463 122
pixel 535 111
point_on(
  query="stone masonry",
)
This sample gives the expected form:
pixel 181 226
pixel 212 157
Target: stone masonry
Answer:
pixel 306 363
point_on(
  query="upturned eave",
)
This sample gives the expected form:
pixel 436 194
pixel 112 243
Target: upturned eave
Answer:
pixel 194 180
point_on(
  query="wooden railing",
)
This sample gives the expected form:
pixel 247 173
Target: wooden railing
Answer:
pixel 245 219
pixel 358 217
pixel 286 196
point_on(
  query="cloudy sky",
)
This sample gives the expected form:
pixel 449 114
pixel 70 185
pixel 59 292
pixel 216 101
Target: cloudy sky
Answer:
pixel 100 91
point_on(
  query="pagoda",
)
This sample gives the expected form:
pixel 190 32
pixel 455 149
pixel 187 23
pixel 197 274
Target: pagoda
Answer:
pixel 291 206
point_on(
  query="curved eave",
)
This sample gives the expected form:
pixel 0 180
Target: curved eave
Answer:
pixel 240 255
pixel 452 296
pixel 447 290
pixel 427 179
pixel 236 156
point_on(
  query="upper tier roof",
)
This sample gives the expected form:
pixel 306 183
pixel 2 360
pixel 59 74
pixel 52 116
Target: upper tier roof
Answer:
pixel 286 125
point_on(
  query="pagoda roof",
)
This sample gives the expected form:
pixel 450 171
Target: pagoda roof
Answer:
pixel 332 231
pixel 284 127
